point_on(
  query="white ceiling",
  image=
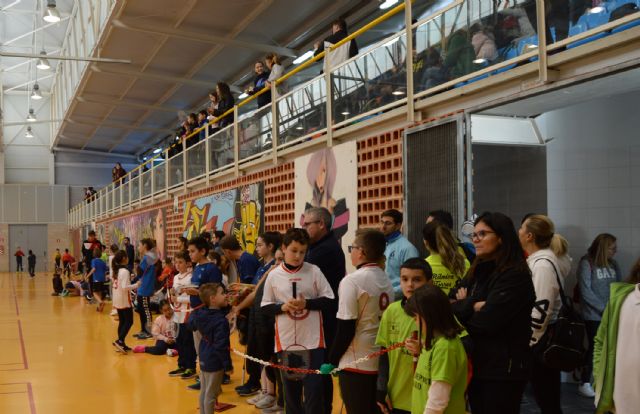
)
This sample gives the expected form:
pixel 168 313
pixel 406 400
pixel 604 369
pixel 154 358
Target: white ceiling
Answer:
pixel 22 30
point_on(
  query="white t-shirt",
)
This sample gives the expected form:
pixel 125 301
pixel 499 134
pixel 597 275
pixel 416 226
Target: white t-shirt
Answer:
pixel 182 307
pixel 305 327
pixel 121 290
pixel 364 295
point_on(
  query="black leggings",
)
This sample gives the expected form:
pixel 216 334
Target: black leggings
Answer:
pixel 19 267
pixel 545 382
pixel 160 348
pixel 592 330
pixel 145 313
pixel 358 392
pixel 125 321
pixel 186 348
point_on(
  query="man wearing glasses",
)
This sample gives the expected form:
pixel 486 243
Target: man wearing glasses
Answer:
pixel 326 253
pixel 398 250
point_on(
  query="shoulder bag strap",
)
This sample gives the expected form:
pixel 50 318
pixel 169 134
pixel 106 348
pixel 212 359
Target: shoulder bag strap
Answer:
pixel 562 297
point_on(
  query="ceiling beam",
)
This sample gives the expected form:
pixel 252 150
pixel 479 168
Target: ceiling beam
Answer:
pixel 30 32
pixel 62 57
pixel 104 154
pixel 152 76
pixel 117 102
pixel 129 24
pixel 116 125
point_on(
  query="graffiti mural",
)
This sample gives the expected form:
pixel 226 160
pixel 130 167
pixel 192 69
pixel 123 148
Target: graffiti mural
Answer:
pixel 328 178
pixel 238 211
pixel 150 224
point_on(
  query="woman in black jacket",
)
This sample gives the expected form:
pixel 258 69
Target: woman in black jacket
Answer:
pixel 225 103
pixel 494 305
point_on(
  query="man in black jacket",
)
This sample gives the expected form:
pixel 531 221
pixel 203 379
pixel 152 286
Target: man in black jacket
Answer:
pixel 338 32
pixel 131 254
pixel 326 253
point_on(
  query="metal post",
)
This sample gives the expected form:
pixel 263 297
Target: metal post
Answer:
pixel 542 42
pixel 408 17
pixel 236 141
pixel 184 163
pixel 166 173
pixel 274 123
pixel 153 180
pixel 329 93
pixel 207 151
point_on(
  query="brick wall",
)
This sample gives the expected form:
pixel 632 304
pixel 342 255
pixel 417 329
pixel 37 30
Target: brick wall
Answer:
pixel 380 188
pixel 379 176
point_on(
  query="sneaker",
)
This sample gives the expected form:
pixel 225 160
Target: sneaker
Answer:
pixel 114 312
pixel 126 348
pixel 137 335
pixel 257 398
pixel 586 390
pixel 176 372
pixel 226 379
pixel 275 408
pixel 195 386
pixel 119 347
pixel 188 373
pixel 144 335
pixel 247 389
pixel 266 402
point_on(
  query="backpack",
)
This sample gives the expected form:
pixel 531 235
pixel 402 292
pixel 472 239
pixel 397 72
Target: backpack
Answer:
pixel 57 283
pixel 563 345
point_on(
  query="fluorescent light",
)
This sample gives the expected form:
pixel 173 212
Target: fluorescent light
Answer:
pixel 299 127
pixel 480 61
pixel 43 62
pixel 51 14
pixel 345 113
pixel 35 93
pixel 387 3
pixel 531 47
pixel 32 116
pixel 144 158
pixel 399 92
pixel 157 150
pixel 243 95
pixel 597 9
pixel 306 56
pixel 28 134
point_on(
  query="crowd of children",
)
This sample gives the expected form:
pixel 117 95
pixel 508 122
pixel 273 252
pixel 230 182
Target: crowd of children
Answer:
pixel 412 355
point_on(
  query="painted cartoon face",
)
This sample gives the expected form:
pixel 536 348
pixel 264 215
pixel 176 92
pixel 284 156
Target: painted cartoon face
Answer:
pixel 247 233
pixel 321 178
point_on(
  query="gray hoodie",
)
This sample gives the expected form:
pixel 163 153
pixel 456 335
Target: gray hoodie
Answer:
pixel 594 285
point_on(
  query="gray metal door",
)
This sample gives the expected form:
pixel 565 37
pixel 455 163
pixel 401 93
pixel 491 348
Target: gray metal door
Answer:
pixel 29 237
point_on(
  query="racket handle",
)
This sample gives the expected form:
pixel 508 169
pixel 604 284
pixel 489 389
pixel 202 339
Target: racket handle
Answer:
pixel 294 286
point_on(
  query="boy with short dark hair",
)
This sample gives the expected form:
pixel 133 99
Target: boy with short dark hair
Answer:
pixel 212 325
pixel 246 263
pixel 363 296
pixel 31 261
pixel 395 371
pixel 298 318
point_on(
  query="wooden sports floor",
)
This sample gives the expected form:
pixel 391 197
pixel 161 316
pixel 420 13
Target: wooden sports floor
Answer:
pixel 56 357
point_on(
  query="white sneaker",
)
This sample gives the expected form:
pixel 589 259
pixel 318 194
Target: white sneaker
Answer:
pixel 266 402
pixel 586 390
pixel 256 398
pixel 114 312
pixel 274 409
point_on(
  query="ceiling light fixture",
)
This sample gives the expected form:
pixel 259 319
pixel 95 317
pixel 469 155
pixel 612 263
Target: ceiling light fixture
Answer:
pixel 157 150
pixel 399 92
pixel 32 116
pixel 306 56
pixel 51 14
pixel 35 93
pixel 480 61
pixel 387 3
pixel 243 95
pixel 596 10
pixel 43 62
pixel 345 113
pixel 28 134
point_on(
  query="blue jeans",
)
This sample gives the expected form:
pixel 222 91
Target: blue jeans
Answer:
pixel 310 386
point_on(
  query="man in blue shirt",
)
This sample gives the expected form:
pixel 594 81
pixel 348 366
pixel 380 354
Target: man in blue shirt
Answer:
pixel 246 263
pixel 398 250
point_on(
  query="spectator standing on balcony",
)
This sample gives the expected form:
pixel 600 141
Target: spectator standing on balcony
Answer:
pixel 259 83
pixel 192 123
pixel 213 105
pixel 225 104
pixel 275 72
pixel 131 254
pixel 117 174
pixel 202 122
pixel 338 32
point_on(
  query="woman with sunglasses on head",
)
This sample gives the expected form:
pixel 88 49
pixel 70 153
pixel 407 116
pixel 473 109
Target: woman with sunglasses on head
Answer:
pixel 494 305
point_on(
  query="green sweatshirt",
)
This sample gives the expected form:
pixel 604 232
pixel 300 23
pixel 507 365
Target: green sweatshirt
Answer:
pixel 604 351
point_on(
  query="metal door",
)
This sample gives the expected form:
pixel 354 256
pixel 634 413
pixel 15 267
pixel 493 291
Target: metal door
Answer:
pixel 29 237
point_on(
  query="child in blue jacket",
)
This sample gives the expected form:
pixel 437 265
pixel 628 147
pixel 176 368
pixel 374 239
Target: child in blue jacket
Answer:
pixel 215 359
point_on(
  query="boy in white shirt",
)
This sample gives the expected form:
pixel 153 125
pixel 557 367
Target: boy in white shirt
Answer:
pixel 180 301
pixel 299 318
pixel 363 297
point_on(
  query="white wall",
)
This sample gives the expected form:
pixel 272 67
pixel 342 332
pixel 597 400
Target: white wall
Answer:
pixel 593 173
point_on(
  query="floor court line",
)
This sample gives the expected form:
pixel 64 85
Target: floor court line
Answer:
pixel 28 391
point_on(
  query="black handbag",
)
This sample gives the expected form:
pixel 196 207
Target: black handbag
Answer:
pixel 565 346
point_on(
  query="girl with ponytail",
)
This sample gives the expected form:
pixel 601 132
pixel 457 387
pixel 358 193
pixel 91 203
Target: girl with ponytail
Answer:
pixel 446 259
